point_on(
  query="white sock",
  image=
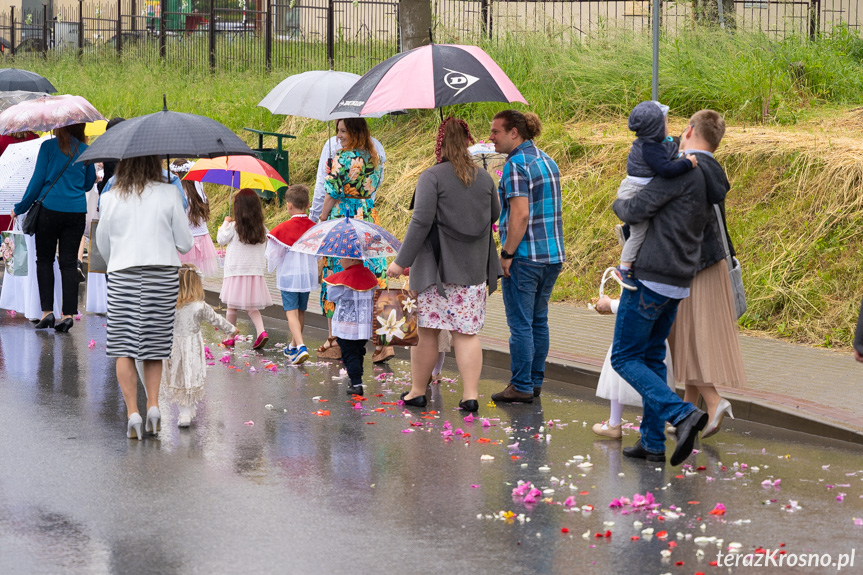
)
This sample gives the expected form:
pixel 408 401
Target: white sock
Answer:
pixel 616 412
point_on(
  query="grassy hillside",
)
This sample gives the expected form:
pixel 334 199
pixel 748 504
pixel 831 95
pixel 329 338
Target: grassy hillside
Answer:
pixel 794 149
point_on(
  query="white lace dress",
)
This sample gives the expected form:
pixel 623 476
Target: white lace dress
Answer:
pixel 183 375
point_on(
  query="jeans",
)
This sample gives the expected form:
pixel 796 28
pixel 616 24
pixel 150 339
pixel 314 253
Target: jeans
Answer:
pixel 67 229
pixel 644 319
pixel 525 298
pixel 353 351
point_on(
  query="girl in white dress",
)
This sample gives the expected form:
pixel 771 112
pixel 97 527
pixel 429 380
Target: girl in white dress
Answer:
pixel 183 375
pixel 616 389
pixel 203 253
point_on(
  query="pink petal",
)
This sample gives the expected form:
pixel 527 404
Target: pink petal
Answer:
pixel 569 501
pixel 249 423
pixel 474 486
pixel 358 405
pixel 407 430
pixel 469 418
pixel 486 422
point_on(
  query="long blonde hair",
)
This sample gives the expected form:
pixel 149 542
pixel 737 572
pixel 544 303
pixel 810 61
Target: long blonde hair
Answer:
pixel 191 286
pixel 454 149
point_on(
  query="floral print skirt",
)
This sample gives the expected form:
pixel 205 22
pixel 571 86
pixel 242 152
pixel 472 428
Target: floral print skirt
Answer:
pixel 462 310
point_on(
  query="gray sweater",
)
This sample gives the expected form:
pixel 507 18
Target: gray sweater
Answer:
pixel 464 216
pixel 678 210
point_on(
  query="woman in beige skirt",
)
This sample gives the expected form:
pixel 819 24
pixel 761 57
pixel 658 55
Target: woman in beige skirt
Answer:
pixel 704 340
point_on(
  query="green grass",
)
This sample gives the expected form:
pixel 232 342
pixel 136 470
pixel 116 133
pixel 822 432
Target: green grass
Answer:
pixel 795 212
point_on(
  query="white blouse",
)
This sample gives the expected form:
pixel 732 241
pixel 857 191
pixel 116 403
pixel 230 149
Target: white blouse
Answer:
pixel 241 259
pixel 143 230
pixel 352 318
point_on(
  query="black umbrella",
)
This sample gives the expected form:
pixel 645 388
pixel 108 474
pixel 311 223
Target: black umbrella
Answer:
pixel 166 133
pixel 15 79
pixel 430 76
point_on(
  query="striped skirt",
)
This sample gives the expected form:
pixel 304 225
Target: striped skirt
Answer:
pixel 141 306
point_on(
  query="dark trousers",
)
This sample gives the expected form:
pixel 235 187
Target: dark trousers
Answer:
pixel 353 352
pixel 67 229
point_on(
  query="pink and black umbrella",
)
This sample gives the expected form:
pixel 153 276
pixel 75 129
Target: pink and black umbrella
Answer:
pixel 430 77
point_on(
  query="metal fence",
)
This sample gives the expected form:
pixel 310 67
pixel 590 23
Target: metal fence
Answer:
pixel 572 21
pixel 308 34
pixel 354 35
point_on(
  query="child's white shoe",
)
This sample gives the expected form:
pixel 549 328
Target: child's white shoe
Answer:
pixel 185 418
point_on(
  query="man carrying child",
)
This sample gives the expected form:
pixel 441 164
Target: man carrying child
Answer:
pixel 297 274
pixel 678 210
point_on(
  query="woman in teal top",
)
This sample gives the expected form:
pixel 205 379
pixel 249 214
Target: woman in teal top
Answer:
pixel 353 176
pixel 64 183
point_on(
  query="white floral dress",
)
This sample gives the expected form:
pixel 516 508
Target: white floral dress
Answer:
pixel 184 373
pixel 462 309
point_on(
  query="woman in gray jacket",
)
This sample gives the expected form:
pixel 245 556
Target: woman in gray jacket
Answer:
pixel 451 252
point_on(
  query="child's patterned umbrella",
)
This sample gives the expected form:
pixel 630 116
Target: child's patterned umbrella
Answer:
pixel 348 238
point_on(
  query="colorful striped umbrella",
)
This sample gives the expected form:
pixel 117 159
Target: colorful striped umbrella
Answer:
pixel 347 238
pixel 430 76
pixel 238 172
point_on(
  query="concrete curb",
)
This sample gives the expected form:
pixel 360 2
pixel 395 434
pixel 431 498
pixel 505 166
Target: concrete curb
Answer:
pixel 784 415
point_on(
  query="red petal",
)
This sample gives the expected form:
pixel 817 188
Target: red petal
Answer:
pixel 564 530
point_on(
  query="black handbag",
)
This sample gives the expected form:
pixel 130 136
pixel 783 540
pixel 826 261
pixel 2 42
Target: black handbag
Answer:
pixel 31 221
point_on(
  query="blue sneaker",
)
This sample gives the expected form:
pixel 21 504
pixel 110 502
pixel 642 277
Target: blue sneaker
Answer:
pixel 627 279
pixel 301 355
pixel 290 352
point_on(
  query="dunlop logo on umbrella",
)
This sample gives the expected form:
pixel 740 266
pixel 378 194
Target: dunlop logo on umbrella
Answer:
pixel 459 81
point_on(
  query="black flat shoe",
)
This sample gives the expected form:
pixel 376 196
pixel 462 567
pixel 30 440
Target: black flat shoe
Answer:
pixel 355 390
pixel 687 431
pixel 537 391
pixel 418 401
pixel 470 405
pixel 47 321
pixel 638 452
pixel 64 326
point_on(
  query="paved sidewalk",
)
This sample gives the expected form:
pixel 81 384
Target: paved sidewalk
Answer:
pixel 789 385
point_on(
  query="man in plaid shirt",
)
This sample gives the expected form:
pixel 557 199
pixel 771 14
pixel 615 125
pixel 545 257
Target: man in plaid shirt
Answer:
pixel 531 235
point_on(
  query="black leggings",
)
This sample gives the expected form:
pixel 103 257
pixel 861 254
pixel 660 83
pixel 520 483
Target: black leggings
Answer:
pixel 353 351
pixel 67 229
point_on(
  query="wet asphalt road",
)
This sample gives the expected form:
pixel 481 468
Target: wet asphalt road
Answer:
pixel 372 488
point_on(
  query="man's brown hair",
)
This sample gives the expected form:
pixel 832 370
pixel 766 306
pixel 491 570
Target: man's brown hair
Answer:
pixel 709 125
pixel 298 196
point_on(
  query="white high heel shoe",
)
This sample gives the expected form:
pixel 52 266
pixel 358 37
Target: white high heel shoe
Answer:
pixel 133 428
pixel 154 420
pixel 714 424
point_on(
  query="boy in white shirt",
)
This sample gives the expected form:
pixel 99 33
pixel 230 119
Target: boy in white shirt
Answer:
pixel 297 273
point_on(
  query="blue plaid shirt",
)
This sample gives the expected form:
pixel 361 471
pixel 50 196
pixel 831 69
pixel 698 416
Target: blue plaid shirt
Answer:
pixel 530 173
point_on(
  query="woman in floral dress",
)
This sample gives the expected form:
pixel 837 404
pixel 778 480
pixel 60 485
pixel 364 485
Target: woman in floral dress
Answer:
pixel 353 176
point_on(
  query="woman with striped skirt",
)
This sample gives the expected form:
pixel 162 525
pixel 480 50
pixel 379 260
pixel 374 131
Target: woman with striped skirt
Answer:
pixel 141 229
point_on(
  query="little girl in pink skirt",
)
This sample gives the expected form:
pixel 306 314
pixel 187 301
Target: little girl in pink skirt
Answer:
pixel 244 286
pixel 203 253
